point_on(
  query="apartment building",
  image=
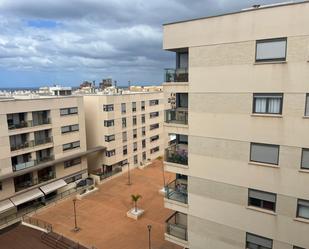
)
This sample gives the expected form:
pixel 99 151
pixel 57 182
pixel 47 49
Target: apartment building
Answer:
pixel 129 125
pixel 241 156
pixel 42 151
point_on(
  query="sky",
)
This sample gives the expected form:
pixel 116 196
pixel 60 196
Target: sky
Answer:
pixel 68 41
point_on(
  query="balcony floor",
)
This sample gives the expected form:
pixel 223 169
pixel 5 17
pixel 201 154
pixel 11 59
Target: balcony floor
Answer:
pixel 102 215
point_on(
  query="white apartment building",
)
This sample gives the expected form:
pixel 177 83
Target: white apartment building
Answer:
pixel 130 127
pixel 42 152
pixel 242 156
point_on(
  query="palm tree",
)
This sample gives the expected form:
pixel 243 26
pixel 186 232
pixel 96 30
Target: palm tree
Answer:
pixel 135 198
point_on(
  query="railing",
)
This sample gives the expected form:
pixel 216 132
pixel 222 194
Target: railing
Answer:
pixel 177 153
pixel 33 182
pixel 105 175
pixel 177 191
pixel 31 143
pixel 30 123
pixel 38 223
pixel 177 116
pixel 32 163
pixel 176 75
pixel 176 226
pixel 16 217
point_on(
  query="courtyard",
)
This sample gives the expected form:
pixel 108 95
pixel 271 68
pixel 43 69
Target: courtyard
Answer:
pixel 102 218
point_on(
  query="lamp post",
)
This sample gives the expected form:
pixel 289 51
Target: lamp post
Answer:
pixel 149 236
pixel 76 228
pixel 129 176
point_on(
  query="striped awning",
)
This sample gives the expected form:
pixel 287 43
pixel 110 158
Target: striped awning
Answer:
pixel 5 205
pixel 48 188
pixel 27 196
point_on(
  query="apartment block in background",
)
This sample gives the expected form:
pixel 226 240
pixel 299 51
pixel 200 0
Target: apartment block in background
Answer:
pixel 129 125
pixel 42 152
pixel 237 108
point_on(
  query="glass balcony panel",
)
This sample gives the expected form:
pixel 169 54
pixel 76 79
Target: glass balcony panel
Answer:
pixel 176 225
pixel 176 75
pixel 177 191
pixel 177 116
pixel 177 153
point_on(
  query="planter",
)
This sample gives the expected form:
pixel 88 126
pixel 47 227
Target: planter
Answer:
pixel 135 214
pixel 86 192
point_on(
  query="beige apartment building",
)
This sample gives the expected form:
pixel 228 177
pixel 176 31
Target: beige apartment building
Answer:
pixel 42 152
pixel 242 155
pixel 130 127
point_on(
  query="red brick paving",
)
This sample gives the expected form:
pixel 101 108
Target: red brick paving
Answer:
pixel 102 215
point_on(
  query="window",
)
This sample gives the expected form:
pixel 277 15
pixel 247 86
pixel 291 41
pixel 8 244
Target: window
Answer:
pixel 70 146
pixel 154 114
pixel 124 136
pixel 108 108
pixel 134 133
pixel 73 178
pixel 264 153
pixel 262 199
pixel 257 242
pixel 155 149
pixel 108 123
pixel 133 106
pixel 154 138
pixel 0 186
pixel 125 150
pixel 73 162
pixel 305 159
pixel 134 146
pixel 69 128
pixel 154 126
pixel 307 105
pixel 144 155
pixel 143 105
pixel 68 111
pixel 303 209
pixel 144 131
pixel 297 247
pixel 182 100
pixel 153 102
pixel 109 138
pixel 124 122
pixel 134 120
pixel 143 119
pixel 123 108
pixel 110 153
pixel 143 143
pixel 135 159
pixel 271 50
pixel 267 103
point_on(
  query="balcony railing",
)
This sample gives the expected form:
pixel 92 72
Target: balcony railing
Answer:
pixel 177 153
pixel 32 143
pixel 176 225
pixel 27 184
pixel 105 175
pixel 32 163
pixel 177 191
pixel 176 75
pixel 177 116
pixel 30 123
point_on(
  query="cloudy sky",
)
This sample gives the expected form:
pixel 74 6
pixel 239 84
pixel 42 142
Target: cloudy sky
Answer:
pixel 68 41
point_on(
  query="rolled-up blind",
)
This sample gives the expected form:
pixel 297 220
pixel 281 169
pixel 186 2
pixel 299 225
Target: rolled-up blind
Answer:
pixel 264 153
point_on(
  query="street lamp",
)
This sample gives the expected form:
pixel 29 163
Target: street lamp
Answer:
pixel 129 176
pixel 149 237
pixel 76 228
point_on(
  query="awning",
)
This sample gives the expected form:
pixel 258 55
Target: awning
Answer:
pixel 48 188
pixel 5 205
pixel 28 196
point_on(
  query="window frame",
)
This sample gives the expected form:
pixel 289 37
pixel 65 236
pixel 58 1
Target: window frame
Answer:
pixel 72 162
pixel 262 201
pixel 307 98
pixel 70 111
pixel 261 237
pixel 267 103
pixel 269 145
pixel 269 40
pixel 297 208
pixel 301 161
pixel 107 138
pixel 108 108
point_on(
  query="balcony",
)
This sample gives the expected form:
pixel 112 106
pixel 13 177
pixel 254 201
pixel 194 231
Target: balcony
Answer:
pixel 177 153
pixel 32 143
pixel 32 163
pixel 24 124
pixel 176 229
pixel 176 75
pixel 177 116
pixel 177 191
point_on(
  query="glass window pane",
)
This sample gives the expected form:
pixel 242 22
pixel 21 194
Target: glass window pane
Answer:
pixel 264 153
pixel 272 49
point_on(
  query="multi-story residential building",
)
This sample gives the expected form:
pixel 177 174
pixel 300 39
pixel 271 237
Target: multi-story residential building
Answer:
pixel 129 125
pixel 242 159
pixel 42 151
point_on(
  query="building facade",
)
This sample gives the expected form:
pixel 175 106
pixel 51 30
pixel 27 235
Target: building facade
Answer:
pixel 42 151
pixel 241 157
pixel 129 125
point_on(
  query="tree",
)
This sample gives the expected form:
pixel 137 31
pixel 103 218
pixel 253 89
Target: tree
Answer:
pixel 135 198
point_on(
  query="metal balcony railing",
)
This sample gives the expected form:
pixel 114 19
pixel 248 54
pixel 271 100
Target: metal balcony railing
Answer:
pixel 177 191
pixel 177 116
pixel 176 75
pixel 32 163
pixel 177 153
pixel 32 182
pixel 30 123
pixel 31 143
pixel 176 225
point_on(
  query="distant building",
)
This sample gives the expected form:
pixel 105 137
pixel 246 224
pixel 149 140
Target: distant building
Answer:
pixel 105 83
pixel 56 90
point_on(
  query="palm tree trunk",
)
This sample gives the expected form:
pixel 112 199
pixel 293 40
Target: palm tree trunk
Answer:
pixel 135 205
